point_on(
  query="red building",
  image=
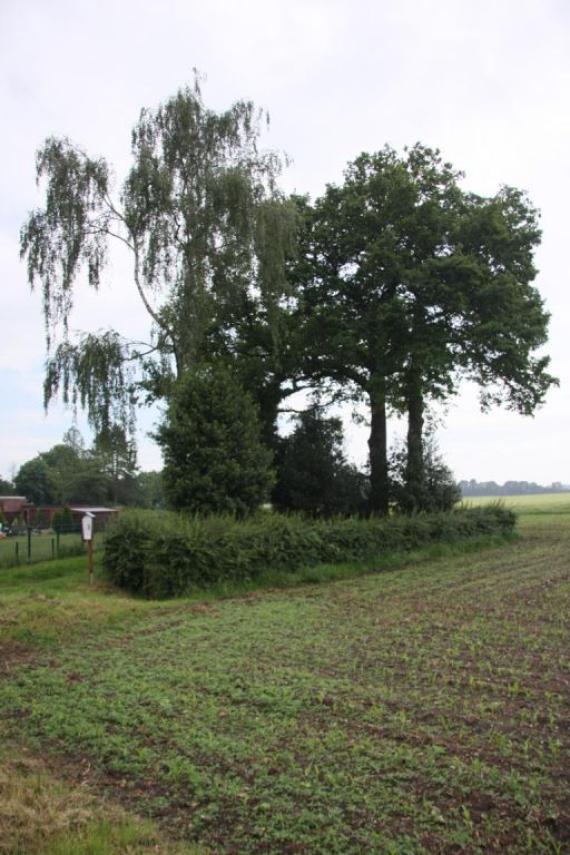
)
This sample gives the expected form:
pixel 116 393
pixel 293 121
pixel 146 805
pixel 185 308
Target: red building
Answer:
pixel 16 507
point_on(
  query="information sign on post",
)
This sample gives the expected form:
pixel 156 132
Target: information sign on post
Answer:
pixel 87 534
pixel 87 526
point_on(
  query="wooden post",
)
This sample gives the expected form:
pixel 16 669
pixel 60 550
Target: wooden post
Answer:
pixel 87 534
pixel 90 559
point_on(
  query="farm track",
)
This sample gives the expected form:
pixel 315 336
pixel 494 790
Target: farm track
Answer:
pixel 423 710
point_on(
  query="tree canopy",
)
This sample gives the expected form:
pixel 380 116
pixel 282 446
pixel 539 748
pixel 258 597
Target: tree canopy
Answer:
pixel 390 289
pixel 68 472
pixel 413 283
pixel 206 229
pixel 6 487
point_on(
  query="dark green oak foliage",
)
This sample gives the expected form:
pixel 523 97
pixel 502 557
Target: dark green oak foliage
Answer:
pixel 412 283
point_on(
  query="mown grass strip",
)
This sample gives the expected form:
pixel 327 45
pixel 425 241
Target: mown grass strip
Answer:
pixel 43 605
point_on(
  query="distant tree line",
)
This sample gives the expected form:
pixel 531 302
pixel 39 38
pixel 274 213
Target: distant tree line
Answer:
pixel 106 474
pixel 387 291
pixel 509 488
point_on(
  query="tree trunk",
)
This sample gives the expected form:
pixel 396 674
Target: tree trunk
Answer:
pixel 415 475
pixel 268 398
pixel 377 443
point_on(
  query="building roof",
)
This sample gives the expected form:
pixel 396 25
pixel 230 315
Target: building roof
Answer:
pixel 93 510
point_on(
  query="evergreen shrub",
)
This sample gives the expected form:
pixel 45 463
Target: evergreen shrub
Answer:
pixel 214 459
pixel 63 521
pixel 165 554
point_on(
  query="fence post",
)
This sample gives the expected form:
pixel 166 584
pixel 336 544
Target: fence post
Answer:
pixel 17 544
pixel 57 542
pixel 53 547
pixel 29 544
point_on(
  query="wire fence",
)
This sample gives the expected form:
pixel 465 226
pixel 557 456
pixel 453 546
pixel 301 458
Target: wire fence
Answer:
pixel 31 545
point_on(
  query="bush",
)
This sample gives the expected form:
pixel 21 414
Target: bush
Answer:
pixel 214 460
pixel 62 521
pixel 313 475
pixel 438 490
pixel 165 554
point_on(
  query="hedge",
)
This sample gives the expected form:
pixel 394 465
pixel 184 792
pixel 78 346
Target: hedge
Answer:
pixel 162 554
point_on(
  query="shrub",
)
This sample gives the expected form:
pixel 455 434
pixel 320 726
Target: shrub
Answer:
pixel 313 475
pixel 214 460
pixel 438 490
pixel 165 554
pixel 62 521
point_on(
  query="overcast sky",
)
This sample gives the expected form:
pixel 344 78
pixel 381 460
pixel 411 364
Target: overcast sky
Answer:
pixel 487 82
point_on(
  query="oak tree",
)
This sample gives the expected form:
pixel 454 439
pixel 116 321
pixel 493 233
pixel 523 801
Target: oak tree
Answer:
pixel 411 284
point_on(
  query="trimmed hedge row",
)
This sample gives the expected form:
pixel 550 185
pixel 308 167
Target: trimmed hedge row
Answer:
pixel 161 554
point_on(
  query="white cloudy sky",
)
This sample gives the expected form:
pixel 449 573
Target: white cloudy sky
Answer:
pixel 487 82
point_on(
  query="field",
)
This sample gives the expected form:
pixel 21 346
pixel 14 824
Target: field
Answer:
pixel 420 710
pixel 540 503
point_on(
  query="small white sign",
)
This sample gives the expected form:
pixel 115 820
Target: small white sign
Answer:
pixel 87 527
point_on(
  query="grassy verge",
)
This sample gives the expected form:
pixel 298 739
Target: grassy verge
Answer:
pixel 418 711
pixel 40 813
pixel 44 604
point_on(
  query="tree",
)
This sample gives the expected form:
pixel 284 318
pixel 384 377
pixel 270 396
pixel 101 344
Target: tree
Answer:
pixel 439 490
pixel 66 473
pixel 313 475
pixel 114 452
pixel 75 474
pixel 149 490
pixel 214 460
pixel 206 229
pixel 62 521
pixel 268 348
pixel 34 480
pixel 474 313
pixel 6 488
pixel 412 283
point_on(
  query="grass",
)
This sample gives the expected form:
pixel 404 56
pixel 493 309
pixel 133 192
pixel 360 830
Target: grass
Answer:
pixel 45 604
pixel 541 503
pixel 41 814
pixel 414 711
pixel 14 550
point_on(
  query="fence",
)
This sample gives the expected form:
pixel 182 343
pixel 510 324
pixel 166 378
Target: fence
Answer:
pixel 29 546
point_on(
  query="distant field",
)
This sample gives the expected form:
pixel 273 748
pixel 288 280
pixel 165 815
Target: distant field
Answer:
pixel 541 503
pixel 411 712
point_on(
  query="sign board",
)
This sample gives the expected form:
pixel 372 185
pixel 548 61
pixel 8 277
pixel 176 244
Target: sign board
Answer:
pixel 87 527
